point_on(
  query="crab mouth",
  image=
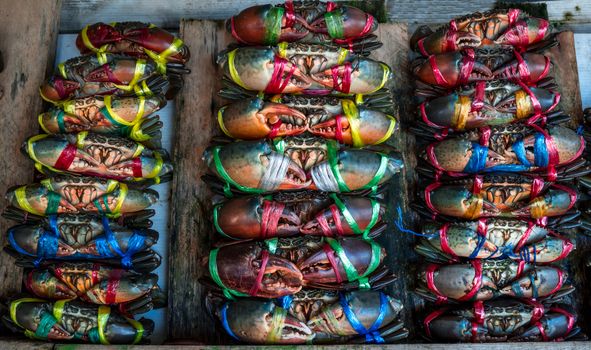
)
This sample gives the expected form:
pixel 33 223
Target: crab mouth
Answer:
pixel 57 332
pixel 480 72
pixel 466 40
pixel 295 177
pixel 293 330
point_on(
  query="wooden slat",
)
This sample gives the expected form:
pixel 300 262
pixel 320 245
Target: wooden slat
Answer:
pixel 28 31
pixel 191 199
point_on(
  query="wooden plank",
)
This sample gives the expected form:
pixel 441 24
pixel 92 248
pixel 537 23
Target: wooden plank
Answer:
pixel 23 344
pixel 28 33
pixel 191 199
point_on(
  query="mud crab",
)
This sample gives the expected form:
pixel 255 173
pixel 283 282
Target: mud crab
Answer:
pixel 66 320
pixel 312 316
pixel 491 279
pixel 437 73
pixel 80 194
pixel 124 116
pixel 338 118
pixel 301 21
pixel 90 75
pixel 98 155
pixel 521 240
pixel 94 283
pixel 488 104
pixel 133 39
pixel 498 195
pixel 261 166
pixel 509 148
pixel 282 266
pixel 502 320
pixel 261 69
pixel 38 246
pixel 509 27
pixel 290 214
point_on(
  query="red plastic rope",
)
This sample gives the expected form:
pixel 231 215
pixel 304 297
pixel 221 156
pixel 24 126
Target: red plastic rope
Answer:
pixel 274 130
pixel 439 78
pixel 255 287
pixel 234 33
pixel 113 286
pixel 466 66
pixel 526 234
pixel 513 15
pixel 333 262
pixel 136 166
pixel 336 216
pixel 110 74
pixel 421 46
pixel 425 118
pixel 289 14
pixel 345 84
pixel 278 83
pixel 430 319
pixel 428 191
pixel 485 133
pixel 326 231
pixel 560 281
pixel 271 214
pixel 66 157
pixel 478 99
pixel 429 276
pixel 338 133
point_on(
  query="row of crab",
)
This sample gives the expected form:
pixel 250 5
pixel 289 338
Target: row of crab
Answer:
pixel 302 190
pixel 84 232
pixel 497 191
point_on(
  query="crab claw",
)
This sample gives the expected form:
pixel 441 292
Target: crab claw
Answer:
pixel 372 127
pixel 555 202
pixel 451 67
pixel 438 42
pixel 539 282
pixel 454 328
pixel 30 314
pixel 520 103
pixel 457 201
pixel 39 200
pixel 525 32
pixel 128 288
pixel 46 285
pixel 319 268
pixel 58 88
pixel 255 165
pixel 238 266
pixel 362 76
pixel 253 321
pixel 253 119
pixel 325 222
pixel 548 250
pixel 537 65
pixel 244 218
pixel 555 325
pixel 366 306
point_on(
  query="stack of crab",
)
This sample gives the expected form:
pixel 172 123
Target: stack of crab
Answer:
pixel 496 167
pixel 84 232
pixel 309 108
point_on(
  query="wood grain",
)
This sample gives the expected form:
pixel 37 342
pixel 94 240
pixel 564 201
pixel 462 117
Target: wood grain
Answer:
pixel 29 32
pixel 191 199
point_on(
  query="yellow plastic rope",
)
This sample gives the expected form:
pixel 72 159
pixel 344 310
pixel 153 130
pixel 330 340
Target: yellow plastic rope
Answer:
pixel 139 327
pixel 140 68
pixel 102 318
pixel 38 164
pixel 523 104
pixel 40 120
pixel 221 121
pixel 384 77
pixel 116 212
pixel 352 113
pixel 342 55
pixel 390 130
pixel 16 303
pixel 474 210
pixel 461 110
pixel 282 49
pixel 232 68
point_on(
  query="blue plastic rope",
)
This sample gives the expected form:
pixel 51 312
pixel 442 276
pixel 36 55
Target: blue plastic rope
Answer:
pixel 372 335
pixel 400 225
pixel 225 322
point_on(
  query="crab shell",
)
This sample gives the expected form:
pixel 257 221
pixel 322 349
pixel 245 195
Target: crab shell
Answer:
pixel 91 113
pixel 110 286
pixel 260 25
pixel 130 38
pixel 456 71
pixel 96 155
pixel 366 307
pixel 38 197
pixel 118 329
pixel 455 154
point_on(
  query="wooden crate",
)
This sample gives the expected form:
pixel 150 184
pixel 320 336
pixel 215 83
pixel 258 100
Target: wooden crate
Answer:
pixel 28 48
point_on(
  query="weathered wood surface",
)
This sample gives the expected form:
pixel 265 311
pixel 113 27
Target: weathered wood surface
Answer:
pixel 191 199
pixel 28 35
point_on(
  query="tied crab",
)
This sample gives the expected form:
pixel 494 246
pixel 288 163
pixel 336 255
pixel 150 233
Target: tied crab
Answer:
pixel 521 240
pixel 99 155
pixel 262 69
pixel 354 317
pixel 508 148
pixel 301 21
pixel 61 194
pixel 491 279
pixel 498 195
pixel 486 104
pixel 307 213
pixel 133 39
pixel 338 118
pixel 445 71
pixel 508 27
pixel 123 116
pixel 502 320
pixel 132 292
pixel 66 320
pixel 282 266
pixel 35 245
pixel 298 163
pixel 86 76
